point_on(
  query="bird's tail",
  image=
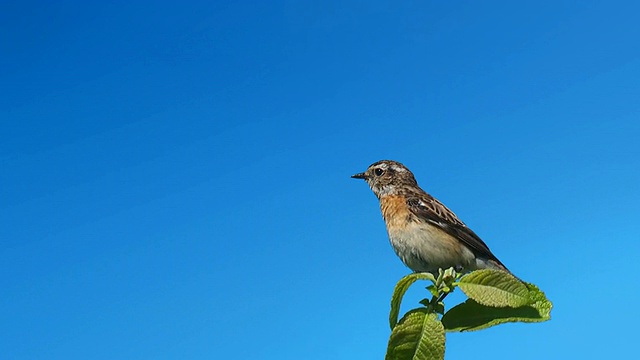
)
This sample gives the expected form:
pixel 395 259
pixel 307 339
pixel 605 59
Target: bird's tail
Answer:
pixel 494 264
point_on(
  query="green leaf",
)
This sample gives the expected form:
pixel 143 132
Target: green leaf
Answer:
pixel 539 301
pixel 433 290
pixel 495 288
pixel 418 336
pixel 398 293
pixel 471 315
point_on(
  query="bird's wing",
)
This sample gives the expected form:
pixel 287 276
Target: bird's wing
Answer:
pixel 430 209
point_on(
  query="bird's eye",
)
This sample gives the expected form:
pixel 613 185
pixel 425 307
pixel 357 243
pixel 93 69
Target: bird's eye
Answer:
pixel 378 171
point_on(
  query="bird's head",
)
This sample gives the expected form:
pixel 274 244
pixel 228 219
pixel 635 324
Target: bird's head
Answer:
pixel 387 177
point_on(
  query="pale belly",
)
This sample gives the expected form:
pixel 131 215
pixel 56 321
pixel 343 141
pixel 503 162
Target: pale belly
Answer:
pixel 425 248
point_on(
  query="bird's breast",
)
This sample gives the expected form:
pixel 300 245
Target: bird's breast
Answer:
pixel 395 211
pixel 420 245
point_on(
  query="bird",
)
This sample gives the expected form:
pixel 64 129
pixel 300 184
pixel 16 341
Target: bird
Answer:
pixel 423 232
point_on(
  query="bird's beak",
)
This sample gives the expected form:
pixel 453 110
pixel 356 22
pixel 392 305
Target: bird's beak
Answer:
pixel 358 176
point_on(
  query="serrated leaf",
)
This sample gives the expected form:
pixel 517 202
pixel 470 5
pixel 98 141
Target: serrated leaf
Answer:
pixel 398 293
pixel 471 315
pixel 495 288
pixel 539 301
pixel 418 336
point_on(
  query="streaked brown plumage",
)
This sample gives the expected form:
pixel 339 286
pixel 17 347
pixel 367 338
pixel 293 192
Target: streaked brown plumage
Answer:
pixel 424 233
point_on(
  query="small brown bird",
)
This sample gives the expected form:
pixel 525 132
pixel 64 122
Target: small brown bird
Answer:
pixel 424 233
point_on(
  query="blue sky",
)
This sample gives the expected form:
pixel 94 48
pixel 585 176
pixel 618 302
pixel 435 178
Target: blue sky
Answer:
pixel 175 178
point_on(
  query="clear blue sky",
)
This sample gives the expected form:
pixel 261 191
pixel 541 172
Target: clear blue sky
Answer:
pixel 175 178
